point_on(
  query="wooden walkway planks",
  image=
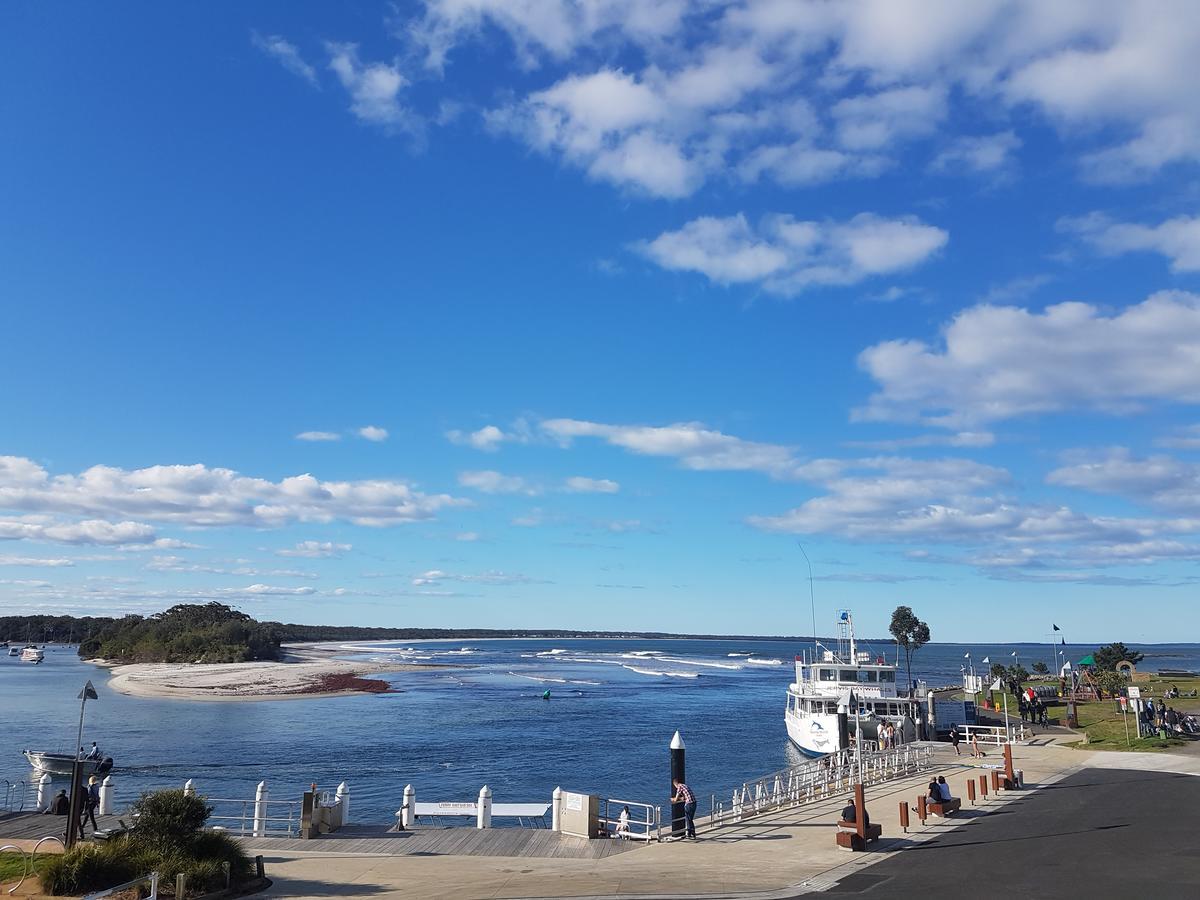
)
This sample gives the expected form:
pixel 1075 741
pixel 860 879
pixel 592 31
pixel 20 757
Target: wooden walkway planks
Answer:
pixel 27 826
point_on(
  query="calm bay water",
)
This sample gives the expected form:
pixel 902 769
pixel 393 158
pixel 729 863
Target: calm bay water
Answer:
pixel 614 706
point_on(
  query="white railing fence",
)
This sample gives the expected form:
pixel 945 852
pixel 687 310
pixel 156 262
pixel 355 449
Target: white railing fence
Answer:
pixel 642 821
pixel 995 735
pixel 275 818
pixel 817 780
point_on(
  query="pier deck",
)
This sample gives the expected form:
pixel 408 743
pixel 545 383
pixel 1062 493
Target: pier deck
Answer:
pixel 376 840
pixel 28 827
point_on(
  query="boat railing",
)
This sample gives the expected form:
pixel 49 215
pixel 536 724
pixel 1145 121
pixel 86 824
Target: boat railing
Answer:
pixel 817 780
pixel 644 822
pixel 271 818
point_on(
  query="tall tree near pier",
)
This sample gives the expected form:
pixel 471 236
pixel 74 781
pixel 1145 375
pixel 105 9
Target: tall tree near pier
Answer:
pixel 911 634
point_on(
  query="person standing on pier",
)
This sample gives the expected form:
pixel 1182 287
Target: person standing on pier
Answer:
pixel 954 739
pixel 684 795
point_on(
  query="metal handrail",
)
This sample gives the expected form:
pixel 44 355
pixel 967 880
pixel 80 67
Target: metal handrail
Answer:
pixel 152 878
pixel 995 735
pixel 245 821
pixel 817 780
pixel 647 827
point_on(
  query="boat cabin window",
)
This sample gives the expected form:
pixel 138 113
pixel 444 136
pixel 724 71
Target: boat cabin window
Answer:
pixel 848 675
pixel 866 675
pixel 887 676
pixel 827 675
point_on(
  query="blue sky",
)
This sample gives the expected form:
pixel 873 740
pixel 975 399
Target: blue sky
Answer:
pixel 481 312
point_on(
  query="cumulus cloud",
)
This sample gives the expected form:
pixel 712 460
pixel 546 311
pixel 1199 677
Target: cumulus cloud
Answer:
pixel 1177 239
pixel 286 54
pixel 199 496
pixel 786 255
pixel 437 576
pixel 36 562
pixel 997 363
pixel 318 436
pixel 579 484
pixel 374 89
pixel 492 482
pixel 695 446
pixel 315 550
pixel 976 154
pixel 373 433
pixel 1161 481
pixel 488 438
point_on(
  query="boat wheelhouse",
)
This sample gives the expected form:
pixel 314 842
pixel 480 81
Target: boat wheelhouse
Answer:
pixel 843 696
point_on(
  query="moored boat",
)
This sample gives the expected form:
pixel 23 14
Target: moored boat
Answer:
pixel 840 696
pixel 32 654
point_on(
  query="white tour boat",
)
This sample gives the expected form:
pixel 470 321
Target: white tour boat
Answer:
pixel 32 654
pixel 839 695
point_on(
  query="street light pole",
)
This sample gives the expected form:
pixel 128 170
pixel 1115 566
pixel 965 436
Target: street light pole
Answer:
pixel 74 826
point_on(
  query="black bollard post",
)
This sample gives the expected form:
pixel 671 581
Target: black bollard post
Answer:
pixel 75 810
pixel 678 826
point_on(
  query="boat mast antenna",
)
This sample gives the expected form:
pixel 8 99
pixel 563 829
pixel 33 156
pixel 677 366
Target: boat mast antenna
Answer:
pixel 812 600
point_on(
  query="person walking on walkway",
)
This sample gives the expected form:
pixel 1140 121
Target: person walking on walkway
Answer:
pixel 684 795
pixel 954 739
pixel 91 803
pixel 975 751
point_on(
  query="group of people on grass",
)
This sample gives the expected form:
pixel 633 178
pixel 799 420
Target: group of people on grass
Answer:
pixel 1158 716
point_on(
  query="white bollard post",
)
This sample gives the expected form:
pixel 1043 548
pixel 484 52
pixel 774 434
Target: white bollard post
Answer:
pixel 555 805
pixel 484 816
pixel 260 809
pixel 343 797
pixel 189 788
pixel 106 796
pixel 43 795
pixel 408 812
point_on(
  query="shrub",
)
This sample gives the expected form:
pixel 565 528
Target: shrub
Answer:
pixel 172 818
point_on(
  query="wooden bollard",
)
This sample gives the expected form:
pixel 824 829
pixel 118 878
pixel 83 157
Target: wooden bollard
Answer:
pixel 983 787
pixel 904 815
pixel 971 790
pixel 995 781
pixel 921 813
pixel 1010 777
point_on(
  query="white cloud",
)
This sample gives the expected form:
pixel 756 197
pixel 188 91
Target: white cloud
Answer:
pixel 91 531
pixel 272 591
pixel 786 255
pixel 873 121
pixel 318 436
pixel 315 550
pixel 374 89
pixel 492 482
pixel 1184 438
pixel 579 484
pixel 373 433
pixel 974 154
pixel 437 576
pixel 54 563
pixel 695 446
pixel 488 438
pixel 961 439
pixel 1177 239
pixel 179 564
pixel 287 55
pixel 1001 362
pixel 1161 481
pixel 468 537
pixel 195 495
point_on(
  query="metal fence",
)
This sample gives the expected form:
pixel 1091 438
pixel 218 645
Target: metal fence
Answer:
pixel 996 735
pixel 818 780
pixel 631 820
pixel 19 795
pixel 276 818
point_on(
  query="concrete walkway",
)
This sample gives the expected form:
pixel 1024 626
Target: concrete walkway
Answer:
pixel 774 855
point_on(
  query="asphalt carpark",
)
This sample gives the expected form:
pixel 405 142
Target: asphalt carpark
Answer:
pixel 1099 833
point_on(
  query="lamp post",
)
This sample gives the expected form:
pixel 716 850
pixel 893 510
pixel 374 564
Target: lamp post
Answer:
pixel 73 813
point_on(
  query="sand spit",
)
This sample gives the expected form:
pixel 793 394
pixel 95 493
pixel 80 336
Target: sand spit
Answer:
pixel 307 673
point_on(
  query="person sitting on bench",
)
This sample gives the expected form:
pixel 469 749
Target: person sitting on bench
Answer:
pixel 935 794
pixel 850 814
pixel 944 789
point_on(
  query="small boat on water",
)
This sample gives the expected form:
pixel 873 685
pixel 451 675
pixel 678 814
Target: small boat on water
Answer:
pixel 62 763
pixel 31 654
pixel 13 651
pixel 843 694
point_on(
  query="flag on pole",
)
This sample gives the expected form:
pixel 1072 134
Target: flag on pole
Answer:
pixel 996 685
pixel 966 656
pixel 88 693
pixel 1014 653
pixel 1056 628
pixel 1064 642
pixel 986 660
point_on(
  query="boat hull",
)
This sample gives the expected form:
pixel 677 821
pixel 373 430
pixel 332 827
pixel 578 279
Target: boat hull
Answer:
pixel 61 763
pixel 815 736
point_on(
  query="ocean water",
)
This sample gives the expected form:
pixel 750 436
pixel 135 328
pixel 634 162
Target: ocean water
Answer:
pixel 606 728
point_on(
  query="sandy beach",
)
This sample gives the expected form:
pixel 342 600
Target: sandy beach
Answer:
pixel 306 673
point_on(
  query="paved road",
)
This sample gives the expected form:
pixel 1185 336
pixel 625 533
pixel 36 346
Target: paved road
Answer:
pixel 1097 834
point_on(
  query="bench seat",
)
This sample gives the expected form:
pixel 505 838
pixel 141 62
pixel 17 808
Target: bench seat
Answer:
pixel 945 808
pixel 849 839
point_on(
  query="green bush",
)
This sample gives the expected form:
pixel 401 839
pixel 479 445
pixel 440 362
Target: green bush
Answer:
pixel 168 839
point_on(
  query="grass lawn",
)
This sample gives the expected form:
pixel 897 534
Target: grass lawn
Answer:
pixel 12 866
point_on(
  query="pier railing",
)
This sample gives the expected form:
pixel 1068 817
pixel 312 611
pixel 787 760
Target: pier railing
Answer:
pixel 644 822
pixel 996 735
pixel 18 795
pixel 274 818
pixel 818 780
